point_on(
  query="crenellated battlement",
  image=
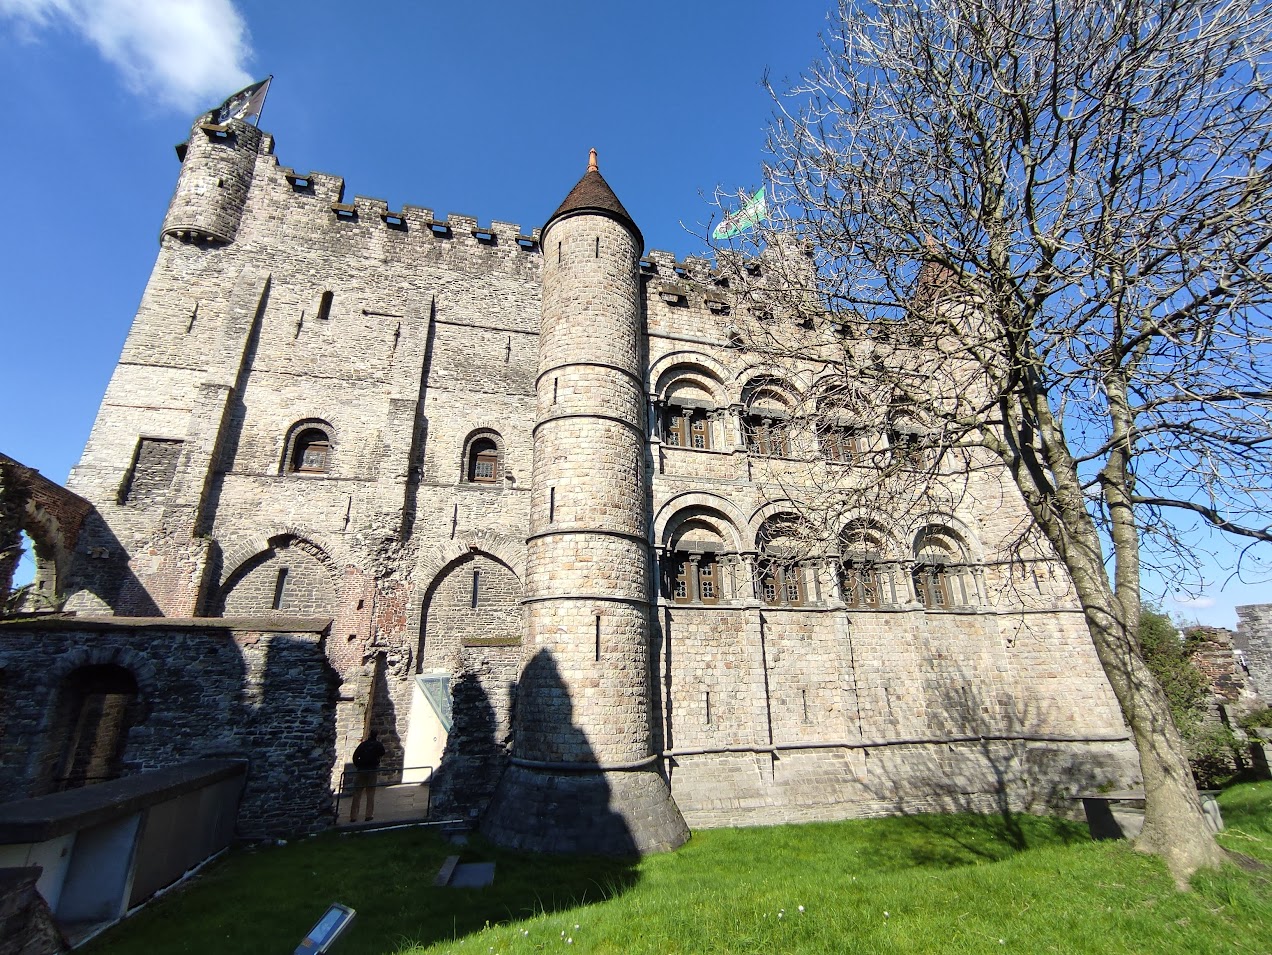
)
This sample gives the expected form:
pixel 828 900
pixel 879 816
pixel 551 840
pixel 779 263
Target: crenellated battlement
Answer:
pixel 323 193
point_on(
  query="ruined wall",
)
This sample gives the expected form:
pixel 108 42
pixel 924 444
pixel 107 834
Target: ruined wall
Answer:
pixel 256 689
pixel 1254 639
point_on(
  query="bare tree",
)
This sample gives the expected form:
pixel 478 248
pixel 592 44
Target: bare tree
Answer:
pixel 1041 228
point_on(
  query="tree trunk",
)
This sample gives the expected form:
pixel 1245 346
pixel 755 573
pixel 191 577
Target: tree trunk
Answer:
pixel 1175 827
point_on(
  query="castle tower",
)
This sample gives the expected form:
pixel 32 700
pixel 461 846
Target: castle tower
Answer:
pixel 584 776
pixel 217 164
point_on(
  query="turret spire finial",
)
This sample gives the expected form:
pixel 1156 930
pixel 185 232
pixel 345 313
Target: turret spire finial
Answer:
pixel 591 161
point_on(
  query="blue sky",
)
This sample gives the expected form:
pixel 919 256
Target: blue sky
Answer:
pixel 482 109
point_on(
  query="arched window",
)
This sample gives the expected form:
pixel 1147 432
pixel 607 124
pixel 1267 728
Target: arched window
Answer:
pixel 863 577
pixel 483 458
pixel 908 440
pixel 767 419
pixel 781 576
pixel 940 566
pixel 842 423
pixel 689 396
pixel 309 448
pixel 695 573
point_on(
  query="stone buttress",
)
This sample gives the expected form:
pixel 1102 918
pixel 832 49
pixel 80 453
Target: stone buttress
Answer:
pixel 584 777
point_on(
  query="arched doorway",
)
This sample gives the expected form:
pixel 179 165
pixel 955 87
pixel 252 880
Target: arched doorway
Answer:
pixel 95 707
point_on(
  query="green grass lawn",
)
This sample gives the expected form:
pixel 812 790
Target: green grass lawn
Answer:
pixel 948 884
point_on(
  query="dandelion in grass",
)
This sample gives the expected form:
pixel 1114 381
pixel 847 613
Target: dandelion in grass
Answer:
pixel 801 909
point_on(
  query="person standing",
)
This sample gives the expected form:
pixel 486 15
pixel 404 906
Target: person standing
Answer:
pixel 366 763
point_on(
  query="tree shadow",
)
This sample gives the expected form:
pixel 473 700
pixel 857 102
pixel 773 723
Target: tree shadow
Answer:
pixel 999 780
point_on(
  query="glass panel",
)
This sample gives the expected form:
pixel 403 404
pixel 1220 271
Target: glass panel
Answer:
pixel 484 466
pixel 676 430
pixel 706 582
pixel 791 579
pixel 313 456
pixel 680 586
pixel 700 436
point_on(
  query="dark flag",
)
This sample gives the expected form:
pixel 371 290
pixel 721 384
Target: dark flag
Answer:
pixel 245 104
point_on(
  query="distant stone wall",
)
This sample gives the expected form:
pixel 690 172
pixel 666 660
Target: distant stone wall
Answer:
pixel 1254 639
pixel 1214 653
pixel 256 689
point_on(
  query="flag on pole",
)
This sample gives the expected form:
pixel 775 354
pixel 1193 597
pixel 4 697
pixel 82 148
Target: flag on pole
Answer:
pixel 755 209
pixel 245 104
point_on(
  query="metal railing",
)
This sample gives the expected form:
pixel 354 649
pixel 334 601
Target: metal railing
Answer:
pixel 354 780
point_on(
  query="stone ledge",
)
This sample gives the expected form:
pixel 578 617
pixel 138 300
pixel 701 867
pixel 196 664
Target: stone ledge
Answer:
pixel 41 818
pixel 262 624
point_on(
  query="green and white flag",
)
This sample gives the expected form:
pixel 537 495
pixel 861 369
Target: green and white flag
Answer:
pixel 755 209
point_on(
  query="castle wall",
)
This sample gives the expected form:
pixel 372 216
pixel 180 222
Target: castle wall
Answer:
pixel 275 305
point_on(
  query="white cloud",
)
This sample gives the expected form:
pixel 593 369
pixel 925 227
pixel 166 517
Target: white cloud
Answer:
pixel 187 54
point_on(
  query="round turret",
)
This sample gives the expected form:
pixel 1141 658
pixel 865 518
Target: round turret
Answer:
pixel 217 166
pixel 584 774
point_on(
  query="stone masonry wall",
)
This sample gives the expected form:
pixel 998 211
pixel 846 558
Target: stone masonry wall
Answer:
pixel 244 688
pixel 1254 639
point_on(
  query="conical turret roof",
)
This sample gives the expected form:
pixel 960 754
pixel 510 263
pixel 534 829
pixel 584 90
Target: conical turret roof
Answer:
pixel 592 194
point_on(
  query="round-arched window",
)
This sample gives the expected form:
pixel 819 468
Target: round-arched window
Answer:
pixel 311 452
pixel 483 461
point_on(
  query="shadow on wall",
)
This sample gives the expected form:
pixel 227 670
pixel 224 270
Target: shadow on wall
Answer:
pixel 84 706
pixel 474 757
pixel 289 735
pixel 549 806
pixel 988 770
pixel 104 570
pixel 384 714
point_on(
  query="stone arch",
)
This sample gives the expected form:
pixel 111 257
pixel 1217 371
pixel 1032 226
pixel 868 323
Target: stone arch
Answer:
pixel 473 600
pixel 506 550
pixel 689 502
pixel 766 512
pixel 238 551
pixel 690 364
pixel 796 383
pixel 959 529
pixel 143 670
pixel 52 518
pixel 95 698
pixel 290 575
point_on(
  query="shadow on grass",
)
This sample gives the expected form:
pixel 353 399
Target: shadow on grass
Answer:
pixel 267 899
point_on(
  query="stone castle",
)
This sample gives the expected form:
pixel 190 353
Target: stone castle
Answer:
pixel 519 500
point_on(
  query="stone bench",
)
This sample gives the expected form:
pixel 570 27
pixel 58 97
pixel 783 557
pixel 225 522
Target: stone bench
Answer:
pixel 1104 822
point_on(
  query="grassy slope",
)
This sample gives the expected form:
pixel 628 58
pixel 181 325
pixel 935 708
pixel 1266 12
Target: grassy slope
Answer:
pixel 949 884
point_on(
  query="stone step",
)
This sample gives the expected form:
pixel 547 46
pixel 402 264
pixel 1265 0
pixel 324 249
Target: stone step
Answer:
pixel 446 871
